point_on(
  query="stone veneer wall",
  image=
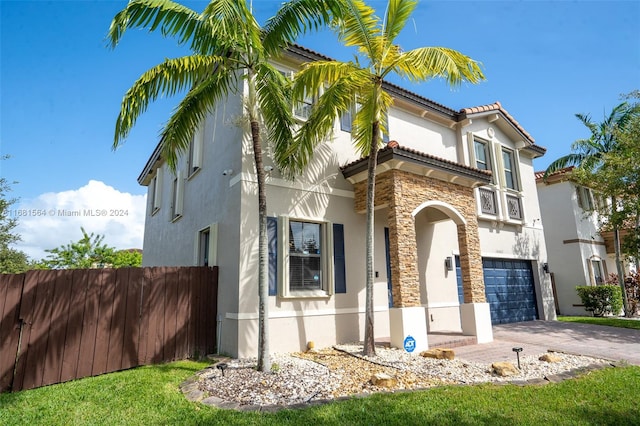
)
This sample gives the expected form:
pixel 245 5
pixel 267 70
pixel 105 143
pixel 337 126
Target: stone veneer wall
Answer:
pixel 402 192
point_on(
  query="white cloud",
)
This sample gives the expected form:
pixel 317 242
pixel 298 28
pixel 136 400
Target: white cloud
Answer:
pixel 54 218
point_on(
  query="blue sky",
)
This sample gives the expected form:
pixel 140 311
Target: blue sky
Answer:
pixel 61 86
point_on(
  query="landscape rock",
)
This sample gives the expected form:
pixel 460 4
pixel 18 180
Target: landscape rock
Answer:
pixel 548 357
pixel 504 369
pixel 383 380
pixel 439 353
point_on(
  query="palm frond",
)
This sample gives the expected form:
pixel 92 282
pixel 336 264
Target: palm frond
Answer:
pixel 295 18
pixel 191 111
pixel 315 75
pixel 233 26
pixel 398 12
pixel 172 18
pixel 358 24
pixel 375 106
pixel 337 98
pixel 166 79
pixel 563 162
pixel 274 98
pixel 428 62
pixel 586 120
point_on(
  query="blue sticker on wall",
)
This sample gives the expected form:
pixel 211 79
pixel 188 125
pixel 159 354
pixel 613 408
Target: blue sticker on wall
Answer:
pixel 409 344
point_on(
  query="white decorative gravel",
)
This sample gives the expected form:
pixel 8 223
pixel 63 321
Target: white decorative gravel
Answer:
pixel 344 371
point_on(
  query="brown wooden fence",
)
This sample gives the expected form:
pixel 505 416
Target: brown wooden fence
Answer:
pixel 66 324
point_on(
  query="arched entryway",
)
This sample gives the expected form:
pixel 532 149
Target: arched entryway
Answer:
pixel 436 226
pixel 407 184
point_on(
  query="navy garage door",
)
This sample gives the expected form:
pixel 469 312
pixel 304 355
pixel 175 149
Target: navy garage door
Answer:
pixel 509 289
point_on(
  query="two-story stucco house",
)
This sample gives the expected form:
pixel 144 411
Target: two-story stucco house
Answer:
pixel 578 252
pixel 458 243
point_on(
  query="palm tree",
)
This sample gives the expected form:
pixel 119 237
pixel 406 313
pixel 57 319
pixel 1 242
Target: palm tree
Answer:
pixel 360 82
pixel 229 49
pixel 590 155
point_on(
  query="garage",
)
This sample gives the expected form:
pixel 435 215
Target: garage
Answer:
pixel 509 288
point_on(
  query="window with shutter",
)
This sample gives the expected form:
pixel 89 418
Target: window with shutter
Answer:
pixel 310 259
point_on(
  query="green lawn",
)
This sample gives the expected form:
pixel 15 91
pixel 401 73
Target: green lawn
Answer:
pixel 611 322
pixel 150 396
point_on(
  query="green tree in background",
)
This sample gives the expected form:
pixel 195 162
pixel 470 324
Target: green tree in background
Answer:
pixel 90 251
pixel 12 261
pixel 357 86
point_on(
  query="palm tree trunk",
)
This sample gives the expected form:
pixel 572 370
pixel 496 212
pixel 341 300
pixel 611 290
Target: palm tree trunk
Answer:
pixel 264 361
pixel 369 337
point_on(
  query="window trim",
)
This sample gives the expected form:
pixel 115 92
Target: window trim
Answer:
pixel 156 192
pixel 347 126
pixel 177 197
pixel 212 248
pixel 592 271
pixel 475 140
pixel 514 169
pixel 327 288
pixel 585 199
pixel 194 156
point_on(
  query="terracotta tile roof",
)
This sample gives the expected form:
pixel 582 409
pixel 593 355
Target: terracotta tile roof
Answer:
pixel 557 175
pixel 393 147
pixel 497 106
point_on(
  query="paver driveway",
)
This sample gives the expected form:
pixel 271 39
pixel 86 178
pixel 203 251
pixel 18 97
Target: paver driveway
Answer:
pixel 618 344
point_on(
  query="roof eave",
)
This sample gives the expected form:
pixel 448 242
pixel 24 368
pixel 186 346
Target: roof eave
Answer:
pixel 434 167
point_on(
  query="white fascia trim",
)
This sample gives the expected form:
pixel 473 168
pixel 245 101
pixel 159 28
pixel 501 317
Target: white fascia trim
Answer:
pixel 306 313
pixel 282 183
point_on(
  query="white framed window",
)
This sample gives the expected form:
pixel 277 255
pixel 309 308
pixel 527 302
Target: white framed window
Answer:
pixel 306 244
pixel 585 198
pixel 194 160
pixel 155 192
pixel 204 241
pixel 346 119
pixel 302 110
pixel 206 253
pixel 482 154
pixel 177 196
pixel 597 270
pixel 509 169
pixel 305 258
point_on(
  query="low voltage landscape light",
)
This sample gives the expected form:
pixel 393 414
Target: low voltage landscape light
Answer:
pixel 222 366
pixel 517 351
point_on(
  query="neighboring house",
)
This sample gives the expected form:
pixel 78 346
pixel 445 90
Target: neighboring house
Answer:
pixel 578 253
pixel 458 243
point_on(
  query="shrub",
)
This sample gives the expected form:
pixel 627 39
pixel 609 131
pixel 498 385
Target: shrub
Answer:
pixel 601 299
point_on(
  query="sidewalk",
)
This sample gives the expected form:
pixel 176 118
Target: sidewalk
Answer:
pixel 535 337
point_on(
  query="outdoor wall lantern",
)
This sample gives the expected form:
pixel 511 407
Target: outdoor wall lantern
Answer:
pixel 545 267
pixel 448 263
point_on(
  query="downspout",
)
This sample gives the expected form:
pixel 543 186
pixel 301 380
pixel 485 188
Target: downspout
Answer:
pixel 218 332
